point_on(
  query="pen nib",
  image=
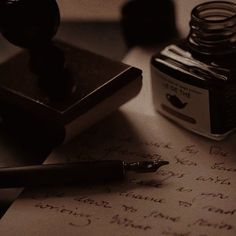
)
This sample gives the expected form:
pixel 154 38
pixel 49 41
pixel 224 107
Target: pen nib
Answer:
pixel 145 166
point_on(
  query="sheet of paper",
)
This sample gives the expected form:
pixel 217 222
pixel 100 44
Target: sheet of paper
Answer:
pixel 193 196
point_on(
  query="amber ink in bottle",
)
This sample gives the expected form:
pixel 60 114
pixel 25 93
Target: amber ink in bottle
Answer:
pixel 194 80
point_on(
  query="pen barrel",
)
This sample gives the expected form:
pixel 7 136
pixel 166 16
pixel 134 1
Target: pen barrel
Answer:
pixel 62 174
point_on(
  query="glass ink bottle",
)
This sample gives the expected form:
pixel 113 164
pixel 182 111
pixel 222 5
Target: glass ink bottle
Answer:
pixel 194 80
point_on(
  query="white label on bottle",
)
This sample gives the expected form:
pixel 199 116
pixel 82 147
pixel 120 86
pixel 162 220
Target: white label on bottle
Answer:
pixel 186 104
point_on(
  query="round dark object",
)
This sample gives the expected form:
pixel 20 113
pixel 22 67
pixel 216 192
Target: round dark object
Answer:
pixel 29 23
pixel 148 22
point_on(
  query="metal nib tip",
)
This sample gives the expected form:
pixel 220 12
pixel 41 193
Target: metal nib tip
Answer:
pixel 145 166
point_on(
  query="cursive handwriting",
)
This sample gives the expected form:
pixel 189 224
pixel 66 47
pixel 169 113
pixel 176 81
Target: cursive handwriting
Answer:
pixel 66 211
pixel 168 174
pixel 149 183
pixel 128 223
pixel 164 216
pixel 218 151
pixel 141 197
pixel 185 204
pixel 129 208
pixel 220 166
pixel 205 223
pixel 215 180
pixel 184 190
pixel 215 195
pixel 190 149
pixel 90 201
pixel 184 161
pixel 219 210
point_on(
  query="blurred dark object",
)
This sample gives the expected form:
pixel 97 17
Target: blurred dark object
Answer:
pixel 55 89
pixel 148 22
pixel 23 24
pixel 28 23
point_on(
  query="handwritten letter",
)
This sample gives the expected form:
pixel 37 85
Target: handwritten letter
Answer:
pixel 193 196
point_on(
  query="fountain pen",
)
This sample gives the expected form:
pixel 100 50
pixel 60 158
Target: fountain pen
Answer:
pixel 73 173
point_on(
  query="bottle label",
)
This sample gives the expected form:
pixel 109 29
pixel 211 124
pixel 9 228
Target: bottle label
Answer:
pixel 186 104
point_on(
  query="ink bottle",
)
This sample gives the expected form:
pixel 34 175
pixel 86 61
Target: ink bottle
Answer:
pixel 194 80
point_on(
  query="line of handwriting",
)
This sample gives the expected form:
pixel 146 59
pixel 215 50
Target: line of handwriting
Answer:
pixel 220 166
pixel 214 179
pixel 84 218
